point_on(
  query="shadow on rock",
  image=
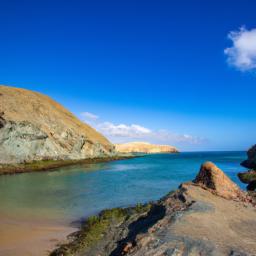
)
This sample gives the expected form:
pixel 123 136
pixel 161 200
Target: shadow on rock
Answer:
pixel 139 226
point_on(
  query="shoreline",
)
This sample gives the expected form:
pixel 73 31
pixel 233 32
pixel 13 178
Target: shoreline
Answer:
pixel 51 165
pixel 177 222
pixel 44 235
pixel 107 224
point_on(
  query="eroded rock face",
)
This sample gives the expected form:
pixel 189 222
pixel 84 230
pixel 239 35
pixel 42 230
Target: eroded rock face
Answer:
pixel 213 178
pixel 34 127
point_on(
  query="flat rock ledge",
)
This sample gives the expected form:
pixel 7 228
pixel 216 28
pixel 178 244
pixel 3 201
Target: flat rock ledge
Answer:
pixel 209 216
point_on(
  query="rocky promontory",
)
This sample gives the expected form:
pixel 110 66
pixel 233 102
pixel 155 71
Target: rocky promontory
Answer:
pixel 144 147
pixel 33 127
pixel 209 216
pixel 249 177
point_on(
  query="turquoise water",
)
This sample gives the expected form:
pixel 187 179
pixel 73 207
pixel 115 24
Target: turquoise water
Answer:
pixel 79 191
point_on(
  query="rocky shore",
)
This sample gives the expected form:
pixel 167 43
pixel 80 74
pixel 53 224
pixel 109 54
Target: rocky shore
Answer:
pixel 209 216
pixel 50 165
pixel 249 177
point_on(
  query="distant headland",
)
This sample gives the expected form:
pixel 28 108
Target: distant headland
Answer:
pixel 144 147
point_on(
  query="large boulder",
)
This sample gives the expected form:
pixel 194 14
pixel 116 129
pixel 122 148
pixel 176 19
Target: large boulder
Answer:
pixel 214 179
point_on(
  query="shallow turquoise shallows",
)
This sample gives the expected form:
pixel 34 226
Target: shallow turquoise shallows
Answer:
pixel 74 192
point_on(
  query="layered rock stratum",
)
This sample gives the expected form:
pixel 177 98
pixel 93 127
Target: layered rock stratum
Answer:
pixel 144 147
pixel 35 127
pixel 210 216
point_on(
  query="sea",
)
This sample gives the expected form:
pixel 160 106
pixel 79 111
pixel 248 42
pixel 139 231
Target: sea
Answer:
pixel 76 192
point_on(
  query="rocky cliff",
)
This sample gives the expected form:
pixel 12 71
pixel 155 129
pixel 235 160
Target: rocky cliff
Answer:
pixel 250 162
pixel 210 216
pixel 144 147
pixel 35 127
pixel 249 177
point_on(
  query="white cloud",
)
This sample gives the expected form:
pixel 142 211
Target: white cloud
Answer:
pixel 242 54
pixel 123 130
pixel 118 133
pixel 135 131
pixel 163 135
pixel 89 116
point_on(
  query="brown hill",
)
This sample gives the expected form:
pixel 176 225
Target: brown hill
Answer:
pixel 35 127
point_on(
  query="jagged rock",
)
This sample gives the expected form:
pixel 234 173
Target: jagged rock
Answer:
pixel 250 162
pixel 211 177
pixel 34 127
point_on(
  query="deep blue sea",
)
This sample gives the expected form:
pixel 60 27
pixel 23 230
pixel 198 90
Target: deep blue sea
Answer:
pixel 75 192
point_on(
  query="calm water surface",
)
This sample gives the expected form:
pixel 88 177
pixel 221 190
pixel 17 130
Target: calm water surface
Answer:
pixel 74 192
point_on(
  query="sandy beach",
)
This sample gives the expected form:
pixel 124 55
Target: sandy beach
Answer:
pixel 25 237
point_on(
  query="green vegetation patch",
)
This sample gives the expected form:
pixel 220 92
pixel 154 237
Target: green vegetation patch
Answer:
pixel 44 165
pixel 95 227
pixel 247 177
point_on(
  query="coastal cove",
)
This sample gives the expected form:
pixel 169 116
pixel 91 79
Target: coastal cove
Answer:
pixel 49 165
pixel 72 193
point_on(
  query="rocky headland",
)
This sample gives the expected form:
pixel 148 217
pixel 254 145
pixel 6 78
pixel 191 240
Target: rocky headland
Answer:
pixel 249 177
pixel 38 133
pixel 208 216
pixel 144 147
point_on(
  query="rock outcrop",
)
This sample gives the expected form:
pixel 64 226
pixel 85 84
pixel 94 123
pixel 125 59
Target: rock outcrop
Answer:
pixel 35 127
pixel 249 177
pixel 215 180
pixel 210 216
pixel 250 162
pixel 144 147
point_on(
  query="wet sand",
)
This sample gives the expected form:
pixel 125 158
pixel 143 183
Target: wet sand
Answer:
pixel 23 237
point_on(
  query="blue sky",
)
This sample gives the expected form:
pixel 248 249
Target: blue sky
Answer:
pixel 173 72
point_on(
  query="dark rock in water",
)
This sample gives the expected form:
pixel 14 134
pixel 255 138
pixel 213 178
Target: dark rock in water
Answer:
pixel 250 162
pixel 251 186
pixel 211 177
pixel 250 176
